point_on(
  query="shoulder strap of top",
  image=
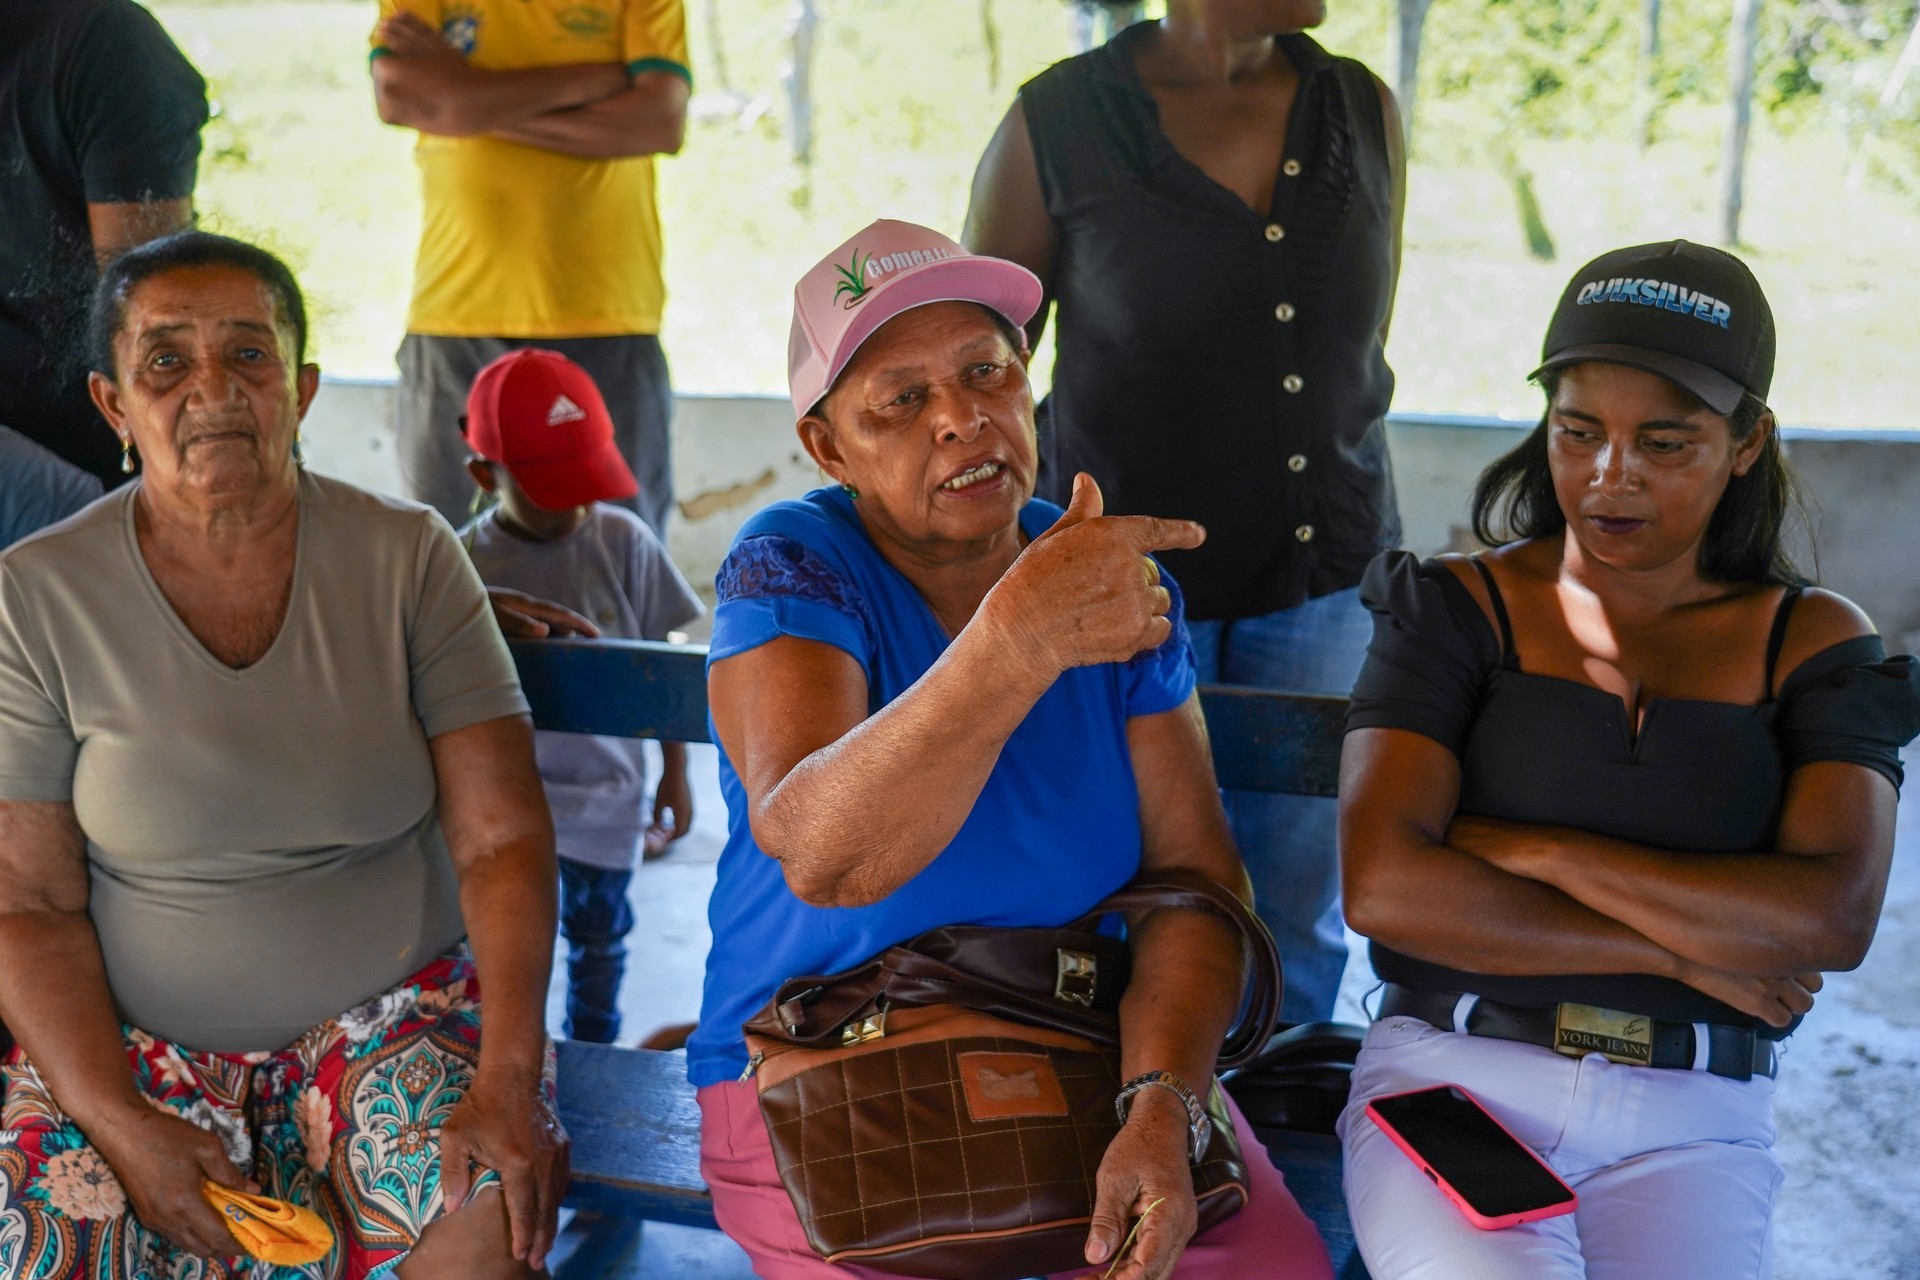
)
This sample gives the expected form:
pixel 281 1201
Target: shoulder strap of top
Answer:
pixel 1507 656
pixel 1778 636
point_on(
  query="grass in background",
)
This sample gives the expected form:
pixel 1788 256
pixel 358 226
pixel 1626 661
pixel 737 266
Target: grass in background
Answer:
pixel 903 105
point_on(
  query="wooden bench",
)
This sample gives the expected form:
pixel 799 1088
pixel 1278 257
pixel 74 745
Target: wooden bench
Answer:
pixel 631 1112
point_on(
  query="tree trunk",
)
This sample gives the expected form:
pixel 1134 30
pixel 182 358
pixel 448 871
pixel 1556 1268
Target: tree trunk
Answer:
pixel 1409 19
pixel 1649 70
pixel 1091 24
pixel 1079 28
pixel 799 80
pixel 990 36
pixel 718 47
pixel 1909 59
pixel 1733 156
pixel 1533 223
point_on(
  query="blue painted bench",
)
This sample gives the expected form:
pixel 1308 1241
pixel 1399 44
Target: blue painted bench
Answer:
pixel 631 1112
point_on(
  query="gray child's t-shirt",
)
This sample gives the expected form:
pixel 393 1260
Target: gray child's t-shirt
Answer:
pixel 613 570
pixel 264 845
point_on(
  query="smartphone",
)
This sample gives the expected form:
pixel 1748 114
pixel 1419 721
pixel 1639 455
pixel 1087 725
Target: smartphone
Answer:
pixel 1494 1178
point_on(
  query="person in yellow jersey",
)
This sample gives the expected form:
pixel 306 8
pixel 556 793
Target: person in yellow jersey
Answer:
pixel 538 121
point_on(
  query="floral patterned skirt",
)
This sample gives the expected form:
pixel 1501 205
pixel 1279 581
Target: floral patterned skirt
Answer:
pixel 346 1121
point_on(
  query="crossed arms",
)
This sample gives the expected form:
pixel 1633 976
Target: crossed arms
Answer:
pixel 1753 930
pixel 590 109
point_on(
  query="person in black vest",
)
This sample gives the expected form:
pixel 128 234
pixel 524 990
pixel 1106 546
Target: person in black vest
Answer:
pixel 1214 204
pixel 100 119
pixel 1613 796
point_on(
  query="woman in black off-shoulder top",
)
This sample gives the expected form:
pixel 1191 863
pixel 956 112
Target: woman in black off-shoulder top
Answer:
pixel 1613 796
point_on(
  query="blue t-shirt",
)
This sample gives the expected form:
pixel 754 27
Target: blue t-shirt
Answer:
pixel 1056 828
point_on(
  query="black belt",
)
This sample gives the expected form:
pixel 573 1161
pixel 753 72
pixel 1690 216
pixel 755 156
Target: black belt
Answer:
pixel 1735 1052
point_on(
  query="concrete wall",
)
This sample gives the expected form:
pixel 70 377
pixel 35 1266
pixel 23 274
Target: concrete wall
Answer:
pixel 735 454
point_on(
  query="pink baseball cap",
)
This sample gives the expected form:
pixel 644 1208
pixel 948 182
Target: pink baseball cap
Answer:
pixel 888 268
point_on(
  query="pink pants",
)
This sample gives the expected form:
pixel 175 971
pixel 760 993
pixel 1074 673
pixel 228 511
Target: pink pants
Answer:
pixel 1269 1237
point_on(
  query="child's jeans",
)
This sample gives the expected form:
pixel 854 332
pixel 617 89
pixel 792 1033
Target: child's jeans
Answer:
pixel 595 918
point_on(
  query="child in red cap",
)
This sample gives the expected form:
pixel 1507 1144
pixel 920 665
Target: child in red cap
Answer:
pixel 542 441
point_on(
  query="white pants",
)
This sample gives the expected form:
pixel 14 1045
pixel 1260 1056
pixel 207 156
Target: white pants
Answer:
pixel 1675 1169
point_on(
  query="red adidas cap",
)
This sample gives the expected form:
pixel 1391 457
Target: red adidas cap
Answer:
pixel 539 415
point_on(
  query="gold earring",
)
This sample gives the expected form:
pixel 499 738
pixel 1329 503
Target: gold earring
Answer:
pixel 127 464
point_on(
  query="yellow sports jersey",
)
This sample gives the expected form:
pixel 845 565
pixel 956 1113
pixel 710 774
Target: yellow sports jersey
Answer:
pixel 520 242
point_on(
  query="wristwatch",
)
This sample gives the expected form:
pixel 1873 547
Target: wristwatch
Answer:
pixel 1199 1123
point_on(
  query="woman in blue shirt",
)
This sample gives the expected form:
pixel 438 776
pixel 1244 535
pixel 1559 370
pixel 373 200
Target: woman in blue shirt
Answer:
pixel 941 702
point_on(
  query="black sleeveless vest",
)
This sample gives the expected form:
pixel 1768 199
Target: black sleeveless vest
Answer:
pixel 1215 364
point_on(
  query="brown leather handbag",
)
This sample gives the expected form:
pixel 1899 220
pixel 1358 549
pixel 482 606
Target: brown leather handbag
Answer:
pixel 941 1110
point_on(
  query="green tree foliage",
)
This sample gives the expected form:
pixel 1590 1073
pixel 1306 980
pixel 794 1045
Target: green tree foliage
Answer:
pixel 1496 75
pixel 1566 68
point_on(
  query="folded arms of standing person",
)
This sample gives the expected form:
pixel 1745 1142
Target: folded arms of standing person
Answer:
pixel 597 110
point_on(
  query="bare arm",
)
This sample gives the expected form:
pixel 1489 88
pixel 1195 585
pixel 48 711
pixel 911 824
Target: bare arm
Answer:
pixel 1007 213
pixel 672 801
pixel 1397 166
pixel 650 118
pixel 1811 904
pixel 1405 886
pixel 116 228
pixel 500 839
pixel 826 781
pixel 1187 965
pixel 854 805
pixel 54 998
pixel 423 83
pixel 68 1028
pixel 1185 989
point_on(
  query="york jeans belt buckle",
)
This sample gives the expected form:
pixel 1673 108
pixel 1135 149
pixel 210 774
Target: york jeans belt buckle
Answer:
pixel 1581 1029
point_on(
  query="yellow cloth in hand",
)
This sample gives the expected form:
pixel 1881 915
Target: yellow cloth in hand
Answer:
pixel 271 1230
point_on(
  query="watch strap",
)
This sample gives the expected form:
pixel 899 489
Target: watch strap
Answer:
pixel 1199 1123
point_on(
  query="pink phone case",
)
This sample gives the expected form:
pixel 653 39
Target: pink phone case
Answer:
pixel 1554 1210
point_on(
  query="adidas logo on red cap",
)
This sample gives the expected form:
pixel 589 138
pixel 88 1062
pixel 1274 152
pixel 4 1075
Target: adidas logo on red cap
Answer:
pixel 564 410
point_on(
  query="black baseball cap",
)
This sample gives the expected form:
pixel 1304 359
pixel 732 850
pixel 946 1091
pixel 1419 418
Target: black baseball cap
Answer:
pixel 1690 313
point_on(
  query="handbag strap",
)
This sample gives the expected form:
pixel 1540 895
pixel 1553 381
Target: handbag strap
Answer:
pixel 814 1009
pixel 1191 891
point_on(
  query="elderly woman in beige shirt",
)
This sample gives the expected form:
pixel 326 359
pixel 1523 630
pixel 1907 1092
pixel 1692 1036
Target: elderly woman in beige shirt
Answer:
pixel 269 822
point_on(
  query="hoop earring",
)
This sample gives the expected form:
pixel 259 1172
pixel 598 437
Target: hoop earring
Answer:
pixel 127 465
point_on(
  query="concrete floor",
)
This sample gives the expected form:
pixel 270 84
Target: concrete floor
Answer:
pixel 1848 1102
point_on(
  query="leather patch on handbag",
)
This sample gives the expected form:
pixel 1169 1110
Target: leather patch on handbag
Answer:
pixel 1581 1029
pixel 1010 1086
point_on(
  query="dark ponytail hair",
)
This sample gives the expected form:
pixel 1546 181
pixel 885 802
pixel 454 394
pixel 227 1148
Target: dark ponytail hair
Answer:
pixel 178 252
pixel 1746 539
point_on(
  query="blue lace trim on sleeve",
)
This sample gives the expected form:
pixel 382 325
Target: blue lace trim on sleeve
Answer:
pixel 772 566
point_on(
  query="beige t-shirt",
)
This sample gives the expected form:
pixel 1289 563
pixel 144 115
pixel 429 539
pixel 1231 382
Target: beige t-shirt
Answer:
pixel 263 844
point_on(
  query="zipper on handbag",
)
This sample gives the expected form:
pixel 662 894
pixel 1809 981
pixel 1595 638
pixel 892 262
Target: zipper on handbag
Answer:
pixel 753 1065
